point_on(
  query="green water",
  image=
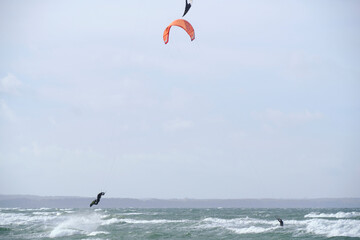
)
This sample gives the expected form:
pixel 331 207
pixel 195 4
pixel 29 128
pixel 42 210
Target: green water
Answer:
pixel 179 224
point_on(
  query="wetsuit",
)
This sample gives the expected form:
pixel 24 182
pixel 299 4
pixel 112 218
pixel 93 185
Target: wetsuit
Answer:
pixel 281 222
pixel 97 200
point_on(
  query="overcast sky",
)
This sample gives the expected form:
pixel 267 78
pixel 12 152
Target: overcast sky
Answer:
pixel 264 103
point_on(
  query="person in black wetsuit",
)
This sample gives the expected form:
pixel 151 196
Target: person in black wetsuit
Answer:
pixel 97 200
pixel 280 221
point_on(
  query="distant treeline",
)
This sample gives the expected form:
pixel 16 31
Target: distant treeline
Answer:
pixel 25 201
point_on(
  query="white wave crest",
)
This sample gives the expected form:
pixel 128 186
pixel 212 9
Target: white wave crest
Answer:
pixel 252 229
pixel 110 221
pixel 97 233
pixel 46 213
pixel 239 221
pixel 155 221
pixel 24 219
pixel 129 214
pixel 333 215
pixel 76 224
pixel 66 209
pixel 44 208
pixel 334 228
pixel 241 225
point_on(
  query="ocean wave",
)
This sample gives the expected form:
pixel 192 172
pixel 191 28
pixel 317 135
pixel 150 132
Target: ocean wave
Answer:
pixel 66 209
pixel 23 219
pixel 97 233
pixel 240 221
pixel 333 215
pixel 252 229
pixel 110 221
pixel 241 225
pixel 7 209
pixel 331 228
pixel 63 232
pixel 101 224
pixel 134 213
pixel 155 221
pixel 83 223
pixel 47 213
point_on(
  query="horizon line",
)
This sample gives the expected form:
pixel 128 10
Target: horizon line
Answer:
pixel 174 198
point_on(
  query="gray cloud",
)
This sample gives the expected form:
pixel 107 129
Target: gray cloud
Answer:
pixel 267 91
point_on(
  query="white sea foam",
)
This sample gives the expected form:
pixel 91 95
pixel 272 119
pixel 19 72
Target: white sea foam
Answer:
pixel 23 219
pixel 333 215
pixel 110 221
pixel 97 233
pixel 60 232
pixel 27 209
pixel 6 209
pixel 135 213
pixel 297 223
pixel 252 229
pixel 46 213
pixel 12 218
pixel 155 221
pixel 334 228
pixel 66 209
pixel 69 211
pixel 326 227
pixel 76 224
pixel 241 225
pixel 239 221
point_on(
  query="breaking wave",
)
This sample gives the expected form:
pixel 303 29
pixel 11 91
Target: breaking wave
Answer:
pixel 155 221
pixel 76 224
pixel 252 229
pixel 101 224
pixel 331 228
pixel 241 225
pixel 333 215
pixel 24 219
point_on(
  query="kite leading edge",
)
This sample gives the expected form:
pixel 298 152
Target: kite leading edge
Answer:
pixel 179 23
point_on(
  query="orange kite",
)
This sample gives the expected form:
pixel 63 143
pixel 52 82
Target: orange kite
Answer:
pixel 180 23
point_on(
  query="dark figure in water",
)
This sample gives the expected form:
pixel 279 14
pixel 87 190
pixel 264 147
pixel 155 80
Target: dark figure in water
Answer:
pixel 280 221
pixel 97 200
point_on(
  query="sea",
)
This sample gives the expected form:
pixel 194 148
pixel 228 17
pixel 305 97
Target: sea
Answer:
pixel 185 223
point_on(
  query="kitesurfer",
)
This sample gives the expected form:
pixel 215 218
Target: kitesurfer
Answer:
pixel 97 200
pixel 280 221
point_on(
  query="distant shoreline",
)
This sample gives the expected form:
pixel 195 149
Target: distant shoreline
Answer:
pixel 30 201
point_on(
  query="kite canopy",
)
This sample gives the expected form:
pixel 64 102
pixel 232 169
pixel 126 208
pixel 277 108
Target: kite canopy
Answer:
pixel 180 23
